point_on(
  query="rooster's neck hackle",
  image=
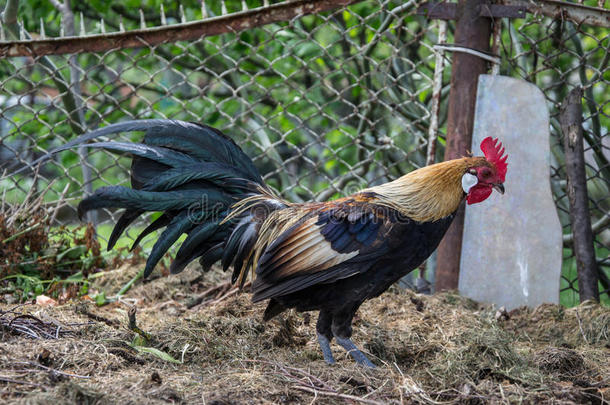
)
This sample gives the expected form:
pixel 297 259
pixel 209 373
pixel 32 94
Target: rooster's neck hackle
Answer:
pixel 430 193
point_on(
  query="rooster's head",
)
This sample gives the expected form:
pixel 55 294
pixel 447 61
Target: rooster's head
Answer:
pixel 479 181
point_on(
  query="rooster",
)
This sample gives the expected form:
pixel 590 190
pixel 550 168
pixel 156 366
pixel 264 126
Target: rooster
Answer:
pixel 325 256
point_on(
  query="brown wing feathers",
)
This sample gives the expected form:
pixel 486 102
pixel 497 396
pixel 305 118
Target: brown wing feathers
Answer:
pixel 291 250
pixel 304 250
pixel 317 245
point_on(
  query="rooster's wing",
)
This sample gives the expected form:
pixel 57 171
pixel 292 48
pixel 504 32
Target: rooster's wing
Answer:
pixel 334 241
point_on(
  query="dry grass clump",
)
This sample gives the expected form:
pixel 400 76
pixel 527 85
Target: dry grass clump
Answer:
pixel 16 323
pixel 442 348
pixel 563 362
pixel 23 235
pixel 479 352
pixel 587 323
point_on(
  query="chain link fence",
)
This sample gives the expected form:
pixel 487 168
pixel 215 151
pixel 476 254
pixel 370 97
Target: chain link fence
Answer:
pixel 325 104
pixel 558 55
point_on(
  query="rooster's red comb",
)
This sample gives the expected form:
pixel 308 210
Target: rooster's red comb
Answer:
pixel 493 151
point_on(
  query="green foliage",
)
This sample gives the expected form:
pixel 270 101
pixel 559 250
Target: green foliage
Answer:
pixel 38 259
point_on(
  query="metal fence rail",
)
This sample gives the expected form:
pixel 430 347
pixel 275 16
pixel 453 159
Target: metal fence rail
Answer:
pixel 326 103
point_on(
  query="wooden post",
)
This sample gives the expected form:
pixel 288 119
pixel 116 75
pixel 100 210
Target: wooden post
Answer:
pixel 472 31
pixel 584 250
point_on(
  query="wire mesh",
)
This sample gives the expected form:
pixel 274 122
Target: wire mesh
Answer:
pixel 558 55
pixel 325 104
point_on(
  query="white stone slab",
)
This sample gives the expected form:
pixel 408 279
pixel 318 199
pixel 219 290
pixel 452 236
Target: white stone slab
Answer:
pixel 512 247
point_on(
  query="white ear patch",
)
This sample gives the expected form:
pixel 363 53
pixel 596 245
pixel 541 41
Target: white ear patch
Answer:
pixel 469 181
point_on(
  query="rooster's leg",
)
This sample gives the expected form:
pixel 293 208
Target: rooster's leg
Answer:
pixel 342 330
pixel 325 335
pixel 325 346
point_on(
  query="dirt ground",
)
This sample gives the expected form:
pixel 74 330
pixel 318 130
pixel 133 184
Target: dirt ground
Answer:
pixel 208 344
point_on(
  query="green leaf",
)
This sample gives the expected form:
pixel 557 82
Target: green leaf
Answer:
pixel 84 289
pixel 138 341
pixel 285 34
pixel 308 50
pixel 74 252
pixel 156 352
pixel 100 299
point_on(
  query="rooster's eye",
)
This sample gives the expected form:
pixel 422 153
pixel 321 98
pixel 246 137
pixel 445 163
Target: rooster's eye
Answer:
pixel 485 172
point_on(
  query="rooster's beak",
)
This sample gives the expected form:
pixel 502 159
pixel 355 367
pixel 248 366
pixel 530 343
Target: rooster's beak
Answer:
pixel 499 187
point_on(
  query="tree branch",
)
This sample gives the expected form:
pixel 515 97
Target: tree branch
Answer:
pixel 9 16
pixel 77 116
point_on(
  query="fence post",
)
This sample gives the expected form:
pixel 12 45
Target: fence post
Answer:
pixel 571 126
pixel 472 31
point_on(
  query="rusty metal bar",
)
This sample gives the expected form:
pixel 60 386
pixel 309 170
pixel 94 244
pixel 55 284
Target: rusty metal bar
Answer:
pixel 578 13
pixel 472 31
pixel 179 32
pixel 448 11
pixel 586 264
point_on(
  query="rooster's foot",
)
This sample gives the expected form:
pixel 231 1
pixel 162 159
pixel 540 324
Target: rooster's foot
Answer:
pixel 354 352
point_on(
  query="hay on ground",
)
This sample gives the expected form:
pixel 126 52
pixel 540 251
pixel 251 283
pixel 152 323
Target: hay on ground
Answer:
pixel 428 349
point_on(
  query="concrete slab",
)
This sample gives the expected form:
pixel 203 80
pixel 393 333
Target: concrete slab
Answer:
pixel 512 247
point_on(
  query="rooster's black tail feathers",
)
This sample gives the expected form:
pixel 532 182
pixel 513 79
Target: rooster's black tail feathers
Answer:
pixel 191 173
